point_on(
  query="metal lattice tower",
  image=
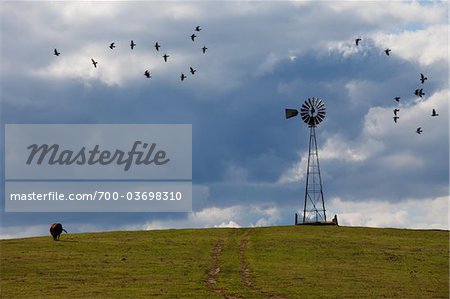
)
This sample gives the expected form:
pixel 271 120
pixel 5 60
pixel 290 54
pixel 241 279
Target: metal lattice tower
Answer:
pixel 312 113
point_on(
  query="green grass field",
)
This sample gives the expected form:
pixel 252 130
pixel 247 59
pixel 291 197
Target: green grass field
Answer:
pixel 272 262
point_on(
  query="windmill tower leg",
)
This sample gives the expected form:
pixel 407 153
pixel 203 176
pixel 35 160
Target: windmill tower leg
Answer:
pixel 314 205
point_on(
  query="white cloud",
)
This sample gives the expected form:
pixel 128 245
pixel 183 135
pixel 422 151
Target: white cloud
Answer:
pixel 423 213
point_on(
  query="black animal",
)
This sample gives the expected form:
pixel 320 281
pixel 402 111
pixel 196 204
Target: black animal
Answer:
pixel 183 76
pixel 157 46
pixel 419 130
pixel 397 99
pixel 193 36
pixel 165 56
pixel 55 230
pixel 357 41
pixel 192 70
pixel 147 74
pixel 434 113
pixel 396 118
pixel 197 28
pixel 56 52
pixel 94 62
pixel 132 44
pixel 112 46
pixel 387 51
pixel 419 92
pixel 204 49
pixel 423 78
pixel 396 111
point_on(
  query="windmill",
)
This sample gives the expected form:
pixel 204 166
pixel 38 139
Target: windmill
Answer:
pixel 312 113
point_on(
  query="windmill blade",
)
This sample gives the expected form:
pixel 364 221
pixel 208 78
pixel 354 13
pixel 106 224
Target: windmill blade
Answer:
pixel 291 113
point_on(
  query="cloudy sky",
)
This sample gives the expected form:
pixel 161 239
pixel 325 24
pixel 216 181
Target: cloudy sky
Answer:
pixel 249 163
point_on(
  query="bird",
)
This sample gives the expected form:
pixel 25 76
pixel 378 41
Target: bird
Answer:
pixel 419 92
pixel 165 57
pixel 387 51
pixel 395 118
pixel 55 52
pixel 132 44
pixel 112 46
pixel 397 99
pixel 157 46
pixel 183 76
pixel 193 36
pixel 147 74
pixel 396 111
pixel 357 41
pixel 422 78
pixel 419 130
pixel 192 70
pixel 197 28
pixel 204 49
pixel 434 113
pixel 94 62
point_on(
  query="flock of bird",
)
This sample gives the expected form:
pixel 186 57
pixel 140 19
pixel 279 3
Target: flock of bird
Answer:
pixel 418 92
pixel 157 47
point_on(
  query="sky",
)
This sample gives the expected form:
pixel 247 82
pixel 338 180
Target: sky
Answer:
pixel 249 162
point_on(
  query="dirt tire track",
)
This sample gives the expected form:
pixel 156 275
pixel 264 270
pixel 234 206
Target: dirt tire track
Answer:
pixel 214 270
pixel 245 271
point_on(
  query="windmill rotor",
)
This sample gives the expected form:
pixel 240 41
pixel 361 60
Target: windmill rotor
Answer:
pixel 313 111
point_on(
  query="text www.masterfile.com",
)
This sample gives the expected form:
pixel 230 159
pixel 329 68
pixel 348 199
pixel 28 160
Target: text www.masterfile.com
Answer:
pixel 99 195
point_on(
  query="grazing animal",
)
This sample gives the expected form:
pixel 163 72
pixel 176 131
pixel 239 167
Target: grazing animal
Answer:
pixel 396 118
pixel 193 36
pixel 419 130
pixel 357 41
pixel 197 28
pixel 397 99
pixel 434 113
pixel 423 78
pixel 419 92
pixel 55 52
pixel 147 74
pixel 56 229
pixel 183 76
pixel 112 46
pixel 94 62
pixel 204 49
pixel 192 70
pixel 165 57
pixel 387 51
pixel 132 44
pixel 157 46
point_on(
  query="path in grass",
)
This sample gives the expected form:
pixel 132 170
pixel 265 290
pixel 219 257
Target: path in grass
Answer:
pixel 238 244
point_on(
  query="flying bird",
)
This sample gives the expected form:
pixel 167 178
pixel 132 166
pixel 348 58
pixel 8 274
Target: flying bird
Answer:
pixel 397 99
pixel 157 46
pixel 55 52
pixel 204 49
pixel 192 70
pixel 357 41
pixel 132 44
pixel 422 78
pixel 434 113
pixel 94 62
pixel 419 92
pixel 197 28
pixel 419 130
pixel 396 111
pixel 112 46
pixel 395 118
pixel 147 74
pixel 183 76
pixel 165 57
pixel 387 51
pixel 193 36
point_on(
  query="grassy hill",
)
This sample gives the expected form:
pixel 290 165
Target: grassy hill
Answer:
pixel 272 262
